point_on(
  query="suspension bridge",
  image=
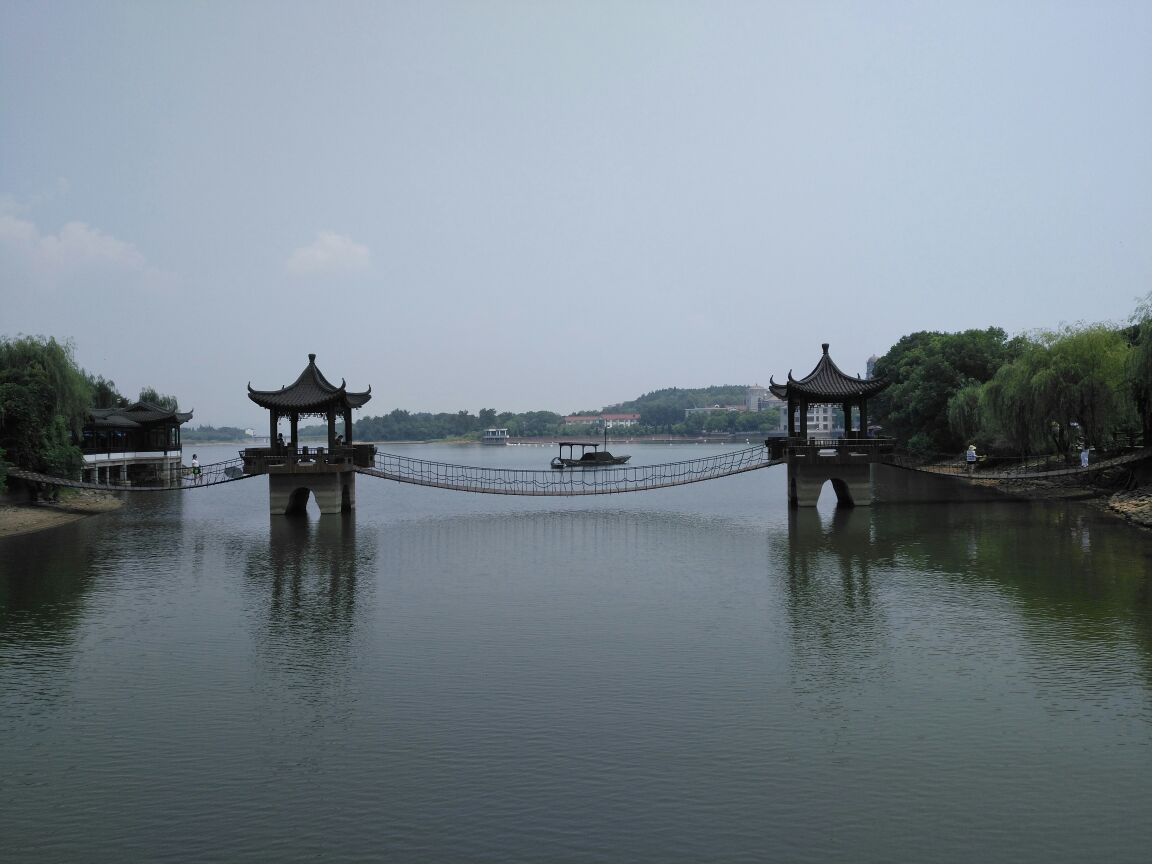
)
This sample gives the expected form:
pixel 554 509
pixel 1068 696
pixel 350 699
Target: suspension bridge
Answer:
pixel 294 471
pixel 459 478
pixel 594 481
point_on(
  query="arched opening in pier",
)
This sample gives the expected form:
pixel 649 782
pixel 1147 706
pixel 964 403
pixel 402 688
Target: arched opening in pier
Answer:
pixel 297 502
pixel 833 492
pixel 843 493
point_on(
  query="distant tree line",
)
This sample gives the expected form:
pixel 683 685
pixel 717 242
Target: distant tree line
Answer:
pixel 662 411
pixel 209 434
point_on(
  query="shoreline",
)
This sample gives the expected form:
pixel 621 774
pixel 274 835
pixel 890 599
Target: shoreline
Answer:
pixel 16 519
pixel 1133 507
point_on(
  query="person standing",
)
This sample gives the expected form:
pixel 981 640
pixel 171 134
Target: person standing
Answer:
pixel 1084 455
pixel 195 469
pixel 970 458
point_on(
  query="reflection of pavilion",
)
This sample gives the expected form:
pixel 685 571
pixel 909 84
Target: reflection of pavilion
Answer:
pixel 818 554
pixel 836 623
pixel 306 579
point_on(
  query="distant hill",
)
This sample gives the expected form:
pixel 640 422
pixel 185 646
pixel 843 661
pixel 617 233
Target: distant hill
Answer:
pixel 681 398
pixel 663 409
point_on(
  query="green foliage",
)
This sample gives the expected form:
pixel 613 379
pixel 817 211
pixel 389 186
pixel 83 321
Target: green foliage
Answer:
pixel 160 400
pixel 1067 385
pixel 1139 367
pixel 966 413
pixel 663 410
pixel 104 392
pixel 44 401
pixel 927 371
pixel 1005 401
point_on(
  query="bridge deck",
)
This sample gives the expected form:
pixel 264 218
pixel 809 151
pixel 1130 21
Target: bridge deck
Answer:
pixel 582 481
pixel 569 481
pixel 210 475
pixel 960 471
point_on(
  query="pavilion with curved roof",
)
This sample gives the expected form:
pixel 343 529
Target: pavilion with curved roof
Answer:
pixel 310 395
pixel 294 471
pixel 827 385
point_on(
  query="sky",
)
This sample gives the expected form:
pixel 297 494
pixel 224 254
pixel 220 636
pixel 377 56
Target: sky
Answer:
pixel 559 205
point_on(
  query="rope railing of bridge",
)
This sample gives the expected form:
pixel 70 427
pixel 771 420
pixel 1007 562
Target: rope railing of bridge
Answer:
pixel 210 475
pixel 566 481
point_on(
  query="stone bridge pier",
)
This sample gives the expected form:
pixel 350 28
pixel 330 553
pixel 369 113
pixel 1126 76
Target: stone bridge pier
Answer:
pixel 852 484
pixel 335 492
pixel 847 464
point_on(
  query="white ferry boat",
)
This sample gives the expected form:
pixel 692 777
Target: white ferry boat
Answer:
pixel 495 436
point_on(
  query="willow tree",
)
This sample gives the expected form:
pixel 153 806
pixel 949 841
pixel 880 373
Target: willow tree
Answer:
pixel 966 413
pixel 44 401
pixel 104 392
pixel 1009 404
pixel 160 400
pixel 1067 385
pixel 1139 372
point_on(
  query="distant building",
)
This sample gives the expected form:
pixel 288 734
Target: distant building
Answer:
pixel 140 443
pixel 754 396
pixel 761 399
pixel 613 420
pixel 610 421
pixel 714 409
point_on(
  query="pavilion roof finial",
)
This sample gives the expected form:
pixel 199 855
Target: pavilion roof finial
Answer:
pixel 826 383
pixel 310 393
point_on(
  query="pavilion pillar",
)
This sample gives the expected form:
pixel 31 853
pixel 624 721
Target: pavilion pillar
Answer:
pixel 847 419
pixel 295 423
pixel 804 419
pixel 331 428
pixel 791 419
pixel 347 425
pixel 273 419
pixel 863 418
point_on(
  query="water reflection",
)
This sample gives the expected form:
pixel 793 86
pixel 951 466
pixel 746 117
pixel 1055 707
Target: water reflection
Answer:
pixel 304 585
pixel 1081 581
pixel 44 583
pixel 1079 584
pixel 839 630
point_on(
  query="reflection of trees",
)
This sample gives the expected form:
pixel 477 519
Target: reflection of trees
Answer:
pixel 1070 572
pixel 1079 584
pixel 305 583
pixel 838 630
pixel 44 580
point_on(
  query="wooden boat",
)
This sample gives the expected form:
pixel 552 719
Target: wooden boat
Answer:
pixel 591 456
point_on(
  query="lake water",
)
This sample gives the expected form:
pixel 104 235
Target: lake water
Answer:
pixel 686 675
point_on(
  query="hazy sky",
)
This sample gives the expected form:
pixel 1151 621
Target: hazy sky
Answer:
pixel 538 205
